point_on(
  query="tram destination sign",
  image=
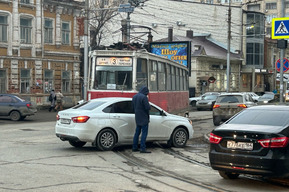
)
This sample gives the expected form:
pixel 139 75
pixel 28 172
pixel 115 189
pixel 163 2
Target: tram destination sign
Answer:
pixel 114 61
pixel 176 51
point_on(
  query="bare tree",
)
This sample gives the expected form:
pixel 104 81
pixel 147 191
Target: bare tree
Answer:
pixel 101 13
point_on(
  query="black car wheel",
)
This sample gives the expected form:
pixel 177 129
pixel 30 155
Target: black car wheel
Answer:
pixel 228 175
pixel 216 121
pixel 193 103
pixel 77 144
pixel 106 140
pixel 179 138
pixel 15 116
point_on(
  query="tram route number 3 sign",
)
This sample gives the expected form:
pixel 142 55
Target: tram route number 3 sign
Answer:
pixel 285 65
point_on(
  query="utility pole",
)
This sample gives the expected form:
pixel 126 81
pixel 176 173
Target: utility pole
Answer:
pixel 229 47
pixel 85 39
pixel 282 55
pixel 128 28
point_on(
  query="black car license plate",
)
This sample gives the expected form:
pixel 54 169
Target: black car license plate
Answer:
pixel 65 121
pixel 239 145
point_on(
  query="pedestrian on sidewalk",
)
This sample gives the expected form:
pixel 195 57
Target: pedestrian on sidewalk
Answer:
pixel 59 98
pixel 141 108
pixel 52 99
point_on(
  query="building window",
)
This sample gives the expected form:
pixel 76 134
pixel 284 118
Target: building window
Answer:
pixel 3 28
pixel 48 31
pixel 254 7
pixel 25 81
pixel 254 54
pixel 271 5
pixel 255 26
pixel 2 81
pixel 25 1
pixel 48 81
pixel 25 30
pixel 65 33
pixel 286 4
pixel 65 85
pixel 268 31
pixel 270 17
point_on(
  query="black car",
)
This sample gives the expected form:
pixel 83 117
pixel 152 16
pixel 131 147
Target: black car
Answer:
pixel 255 141
pixel 15 107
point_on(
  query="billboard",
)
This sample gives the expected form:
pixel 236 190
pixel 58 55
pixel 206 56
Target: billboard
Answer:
pixel 177 51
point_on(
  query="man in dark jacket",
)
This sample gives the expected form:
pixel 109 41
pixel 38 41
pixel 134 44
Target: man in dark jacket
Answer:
pixel 52 105
pixel 142 117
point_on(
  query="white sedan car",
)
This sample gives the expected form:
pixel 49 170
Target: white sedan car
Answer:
pixel 107 122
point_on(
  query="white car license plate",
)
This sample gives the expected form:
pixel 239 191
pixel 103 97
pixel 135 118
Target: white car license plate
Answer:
pixel 239 145
pixel 65 121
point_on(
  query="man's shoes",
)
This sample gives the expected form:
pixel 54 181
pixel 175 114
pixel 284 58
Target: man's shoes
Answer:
pixel 144 151
pixel 135 150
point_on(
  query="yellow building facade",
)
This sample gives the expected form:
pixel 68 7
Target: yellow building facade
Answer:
pixel 40 49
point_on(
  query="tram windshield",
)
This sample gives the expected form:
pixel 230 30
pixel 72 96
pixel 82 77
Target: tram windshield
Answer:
pixel 113 80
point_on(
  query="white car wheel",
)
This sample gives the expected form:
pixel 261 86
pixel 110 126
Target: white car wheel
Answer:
pixel 106 140
pixel 179 138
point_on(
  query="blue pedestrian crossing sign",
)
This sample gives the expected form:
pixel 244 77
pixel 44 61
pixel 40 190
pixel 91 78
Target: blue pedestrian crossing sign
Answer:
pixel 280 28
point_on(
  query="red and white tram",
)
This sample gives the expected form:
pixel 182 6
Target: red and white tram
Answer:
pixel 119 73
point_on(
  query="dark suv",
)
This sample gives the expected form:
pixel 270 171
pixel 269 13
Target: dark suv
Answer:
pixel 228 104
pixel 15 107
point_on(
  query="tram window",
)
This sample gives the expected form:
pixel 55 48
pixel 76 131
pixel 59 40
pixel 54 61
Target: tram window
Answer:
pixel 153 76
pixel 161 77
pixel 185 80
pixel 173 78
pixel 177 79
pixel 141 73
pixel 119 80
pixel 181 79
pixel 168 74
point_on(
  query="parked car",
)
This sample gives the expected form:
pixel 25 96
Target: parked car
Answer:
pixel 193 100
pixel 228 104
pixel 107 122
pixel 15 107
pixel 255 141
pixel 268 97
pixel 207 102
pixel 253 95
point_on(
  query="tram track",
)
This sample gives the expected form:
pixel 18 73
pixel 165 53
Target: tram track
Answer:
pixel 273 181
pixel 128 156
